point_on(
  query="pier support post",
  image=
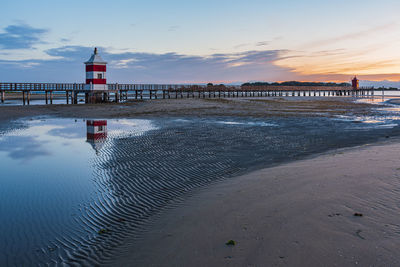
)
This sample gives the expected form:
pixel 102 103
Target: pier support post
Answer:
pixel 23 97
pixel 51 97
pixel 3 97
pixel 28 97
pixel 67 96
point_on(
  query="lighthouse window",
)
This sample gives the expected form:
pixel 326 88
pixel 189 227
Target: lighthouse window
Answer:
pixel 99 76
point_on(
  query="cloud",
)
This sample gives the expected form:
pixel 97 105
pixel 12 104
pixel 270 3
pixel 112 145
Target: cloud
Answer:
pixel 173 28
pixel 66 65
pixel 22 147
pixel 264 43
pixel 241 45
pixel 21 36
pixel 352 36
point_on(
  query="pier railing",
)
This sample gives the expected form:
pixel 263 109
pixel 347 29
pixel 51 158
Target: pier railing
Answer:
pixel 162 87
pixel 41 86
pixel 121 92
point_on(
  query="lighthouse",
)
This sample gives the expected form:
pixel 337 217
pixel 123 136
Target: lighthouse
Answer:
pixel 96 73
pixel 355 83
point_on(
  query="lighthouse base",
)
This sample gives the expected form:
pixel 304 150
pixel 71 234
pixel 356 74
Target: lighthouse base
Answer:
pixel 97 97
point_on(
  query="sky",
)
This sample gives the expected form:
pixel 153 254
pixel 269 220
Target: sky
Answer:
pixel 204 41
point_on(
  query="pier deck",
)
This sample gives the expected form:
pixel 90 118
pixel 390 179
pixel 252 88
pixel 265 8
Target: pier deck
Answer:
pixel 123 92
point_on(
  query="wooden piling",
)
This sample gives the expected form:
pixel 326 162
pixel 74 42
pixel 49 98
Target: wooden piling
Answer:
pixel 3 96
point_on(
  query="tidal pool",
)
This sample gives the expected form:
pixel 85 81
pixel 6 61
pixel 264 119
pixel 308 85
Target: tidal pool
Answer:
pixel 71 194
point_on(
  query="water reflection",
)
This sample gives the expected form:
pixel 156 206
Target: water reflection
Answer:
pixel 22 147
pixel 88 184
pixel 96 133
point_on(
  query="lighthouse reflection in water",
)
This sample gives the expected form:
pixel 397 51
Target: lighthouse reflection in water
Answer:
pixel 96 133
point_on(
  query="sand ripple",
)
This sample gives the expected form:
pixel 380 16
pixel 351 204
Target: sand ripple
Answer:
pixel 138 174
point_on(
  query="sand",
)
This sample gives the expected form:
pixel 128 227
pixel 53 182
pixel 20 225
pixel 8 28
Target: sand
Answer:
pixel 295 214
pixel 239 107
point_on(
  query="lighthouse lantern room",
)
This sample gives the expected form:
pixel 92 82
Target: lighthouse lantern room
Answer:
pixel 96 73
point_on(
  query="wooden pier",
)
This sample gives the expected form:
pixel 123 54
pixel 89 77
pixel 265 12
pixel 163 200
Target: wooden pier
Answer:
pixel 74 92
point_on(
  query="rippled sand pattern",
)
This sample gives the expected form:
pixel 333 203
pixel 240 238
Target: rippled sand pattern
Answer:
pixel 135 175
pixel 139 175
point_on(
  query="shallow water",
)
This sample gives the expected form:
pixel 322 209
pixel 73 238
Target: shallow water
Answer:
pixel 378 97
pixel 67 199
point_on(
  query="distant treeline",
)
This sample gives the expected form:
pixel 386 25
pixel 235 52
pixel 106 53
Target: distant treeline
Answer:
pixel 295 83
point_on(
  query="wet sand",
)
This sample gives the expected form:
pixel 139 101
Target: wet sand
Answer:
pixel 296 214
pixel 240 107
pixel 262 211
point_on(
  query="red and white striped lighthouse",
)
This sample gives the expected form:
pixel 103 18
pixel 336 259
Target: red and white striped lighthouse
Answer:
pixel 96 73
